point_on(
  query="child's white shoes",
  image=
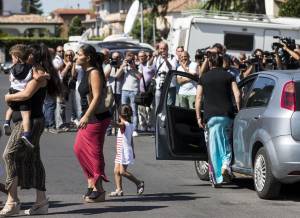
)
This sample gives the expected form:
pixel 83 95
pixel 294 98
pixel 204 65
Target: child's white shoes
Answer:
pixel 117 193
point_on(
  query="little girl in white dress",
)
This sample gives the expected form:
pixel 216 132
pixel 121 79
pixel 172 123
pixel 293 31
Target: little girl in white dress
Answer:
pixel 125 152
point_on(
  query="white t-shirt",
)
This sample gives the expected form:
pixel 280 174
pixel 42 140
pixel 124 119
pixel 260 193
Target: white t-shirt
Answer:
pixel 164 68
pixel 189 88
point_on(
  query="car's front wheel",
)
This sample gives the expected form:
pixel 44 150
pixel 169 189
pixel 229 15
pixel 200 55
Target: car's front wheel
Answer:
pixel 202 171
pixel 266 185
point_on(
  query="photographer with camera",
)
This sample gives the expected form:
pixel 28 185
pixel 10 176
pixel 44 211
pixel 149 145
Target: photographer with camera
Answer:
pixel 116 84
pixel 287 56
pixel 164 63
pixel 130 86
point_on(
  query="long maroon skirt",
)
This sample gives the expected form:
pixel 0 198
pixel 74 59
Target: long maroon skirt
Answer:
pixel 89 149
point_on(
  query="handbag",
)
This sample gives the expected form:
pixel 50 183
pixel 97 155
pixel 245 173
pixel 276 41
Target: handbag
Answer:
pixel 107 97
pixel 145 98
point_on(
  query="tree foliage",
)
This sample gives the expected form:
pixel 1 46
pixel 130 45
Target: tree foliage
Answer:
pixel 76 27
pixel 247 6
pixel 148 29
pixel 290 9
pixel 158 7
pixel 32 6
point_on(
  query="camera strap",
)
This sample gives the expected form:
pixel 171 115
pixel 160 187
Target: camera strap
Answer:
pixel 159 68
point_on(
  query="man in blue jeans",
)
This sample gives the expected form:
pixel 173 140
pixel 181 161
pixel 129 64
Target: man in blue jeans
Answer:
pixel 49 113
pixel 130 86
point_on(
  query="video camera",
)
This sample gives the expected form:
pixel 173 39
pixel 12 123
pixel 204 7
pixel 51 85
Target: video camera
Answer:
pixel 289 42
pixel 284 56
pixel 201 53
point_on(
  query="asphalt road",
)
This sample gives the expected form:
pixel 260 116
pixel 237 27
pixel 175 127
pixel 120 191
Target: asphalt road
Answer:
pixel 172 188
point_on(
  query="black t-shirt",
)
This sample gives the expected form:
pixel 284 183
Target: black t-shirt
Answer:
pixel 217 93
pixel 37 106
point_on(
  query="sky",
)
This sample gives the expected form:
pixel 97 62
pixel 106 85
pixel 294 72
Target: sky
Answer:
pixel 51 5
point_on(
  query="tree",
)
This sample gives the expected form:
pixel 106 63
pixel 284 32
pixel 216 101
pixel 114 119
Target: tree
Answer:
pixel 32 6
pixel 290 9
pixel 76 27
pixel 148 29
pixel 247 6
pixel 159 7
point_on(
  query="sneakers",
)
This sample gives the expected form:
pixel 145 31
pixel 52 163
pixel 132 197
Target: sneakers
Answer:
pixel 151 129
pixel 6 129
pixel 135 134
pixel 141 188
pixel 52 130
pixel 226 174
pixel 27 141
pixel 143 129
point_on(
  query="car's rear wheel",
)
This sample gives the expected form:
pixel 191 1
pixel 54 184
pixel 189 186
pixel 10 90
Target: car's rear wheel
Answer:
pixel 202 170
pixel 266 185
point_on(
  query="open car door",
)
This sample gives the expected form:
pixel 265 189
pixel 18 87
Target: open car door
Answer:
pixel 178 136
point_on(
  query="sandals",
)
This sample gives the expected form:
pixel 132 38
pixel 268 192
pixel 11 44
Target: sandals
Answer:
pixel 88 192
pixel 38 209
pixel 117 193
pixel 10 208
pixel 95 196
pixel 141 188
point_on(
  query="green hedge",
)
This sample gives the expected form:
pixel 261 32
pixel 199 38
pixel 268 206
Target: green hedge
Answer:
pixel 8 42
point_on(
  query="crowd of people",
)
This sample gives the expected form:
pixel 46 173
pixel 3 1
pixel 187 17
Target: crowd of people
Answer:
pixel 43 82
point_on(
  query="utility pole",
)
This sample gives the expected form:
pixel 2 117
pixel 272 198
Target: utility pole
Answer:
pixel 142 23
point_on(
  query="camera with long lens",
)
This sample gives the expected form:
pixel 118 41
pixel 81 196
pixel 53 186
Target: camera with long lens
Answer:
pixel 284 56
pixel 269 57
pixel 162 76
pixel 113 63
pixel 200 54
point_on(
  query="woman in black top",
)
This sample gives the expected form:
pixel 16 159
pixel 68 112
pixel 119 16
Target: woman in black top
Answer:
pixel 24 167
pixel 217 86
pixel 93 124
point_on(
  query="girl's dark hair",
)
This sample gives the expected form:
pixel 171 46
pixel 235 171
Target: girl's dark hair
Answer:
pixel 125 112
pixel 96 59
pixel 42 58
pixel 216 60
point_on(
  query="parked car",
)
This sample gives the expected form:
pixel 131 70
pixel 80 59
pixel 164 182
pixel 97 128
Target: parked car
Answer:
pixel 5 67
pixel 266 133
pixel 119 46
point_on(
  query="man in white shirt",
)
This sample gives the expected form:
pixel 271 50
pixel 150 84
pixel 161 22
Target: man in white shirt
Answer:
pixel 164 64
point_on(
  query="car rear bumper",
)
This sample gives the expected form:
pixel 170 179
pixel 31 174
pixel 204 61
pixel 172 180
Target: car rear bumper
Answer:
pixel 284 153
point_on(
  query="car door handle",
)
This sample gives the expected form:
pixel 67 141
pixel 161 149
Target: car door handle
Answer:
pixel 257 117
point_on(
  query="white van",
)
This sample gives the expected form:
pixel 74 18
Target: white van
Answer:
pixel 238 32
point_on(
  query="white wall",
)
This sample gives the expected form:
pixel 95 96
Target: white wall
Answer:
pixel 12 6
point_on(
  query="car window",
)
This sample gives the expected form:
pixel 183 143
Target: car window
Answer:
pixel 244 91
pixel 261 92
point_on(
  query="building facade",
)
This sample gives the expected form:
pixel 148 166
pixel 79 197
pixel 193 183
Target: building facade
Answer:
pixel 66 15
pixel 109 17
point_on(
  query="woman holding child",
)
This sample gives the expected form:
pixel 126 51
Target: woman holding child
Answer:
pixel 24 167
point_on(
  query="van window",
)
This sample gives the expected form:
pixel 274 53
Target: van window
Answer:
pixel 261 92
pixel 239 42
